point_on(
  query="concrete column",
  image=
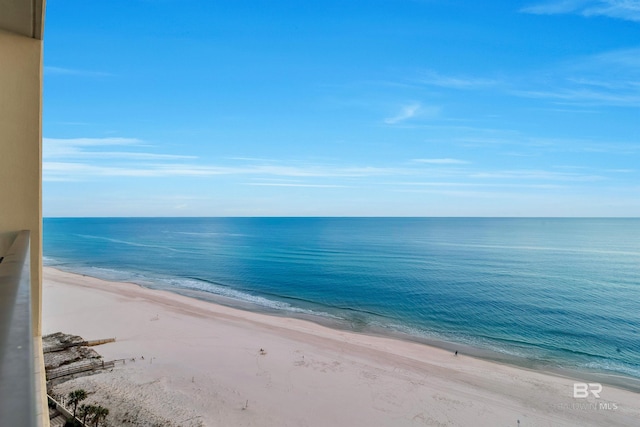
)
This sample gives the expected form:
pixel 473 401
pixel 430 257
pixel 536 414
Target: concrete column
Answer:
pixel 21 151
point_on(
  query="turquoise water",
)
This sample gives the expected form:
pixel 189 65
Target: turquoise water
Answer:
pixel 553 292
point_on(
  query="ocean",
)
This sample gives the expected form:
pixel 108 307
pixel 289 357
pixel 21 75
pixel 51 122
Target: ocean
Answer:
pixel 546 293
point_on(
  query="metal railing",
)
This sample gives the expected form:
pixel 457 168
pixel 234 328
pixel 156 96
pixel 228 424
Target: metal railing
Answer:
pixel 17 373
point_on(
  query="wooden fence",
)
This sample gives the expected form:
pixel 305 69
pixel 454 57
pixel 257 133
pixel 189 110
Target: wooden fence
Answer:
pixel 76 368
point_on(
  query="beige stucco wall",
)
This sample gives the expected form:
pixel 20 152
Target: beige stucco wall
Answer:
pixel 21 172
pixel 21 32
pixel 20 150
pixel 24 17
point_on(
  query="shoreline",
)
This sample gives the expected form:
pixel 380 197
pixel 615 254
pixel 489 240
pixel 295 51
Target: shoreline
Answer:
pixel 615 379
pixel 494 356
pixel 378 372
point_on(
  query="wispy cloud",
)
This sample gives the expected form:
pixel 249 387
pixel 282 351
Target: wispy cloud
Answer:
pixel 92 141
pixel 133 155
pixel 442 161
pixel 554 7
pixel 85 158
pixel 283 184
pixel 621 59
pixel 476 184
pixel 109 160
pixel 52 71
pixel 79 171
pixel 580 84
pixel 252 159
pixel 582 96
pixel 406 112
pixel 455 82
pixel 91 148
pixel 57 147
pixel 608 78
pixel 532 174
pixel 620 9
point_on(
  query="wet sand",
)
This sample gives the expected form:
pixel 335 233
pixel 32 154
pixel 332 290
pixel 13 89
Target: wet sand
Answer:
pixel 192 362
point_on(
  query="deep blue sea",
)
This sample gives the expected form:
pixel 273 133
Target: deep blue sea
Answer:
pixel 550 293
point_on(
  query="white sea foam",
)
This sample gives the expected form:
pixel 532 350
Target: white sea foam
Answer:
pixel 205 234
pixel 194 284
pixel 47 260
pixel 611 366
pixel 241 296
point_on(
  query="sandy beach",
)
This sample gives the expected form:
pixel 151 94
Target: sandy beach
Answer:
pixel 191 362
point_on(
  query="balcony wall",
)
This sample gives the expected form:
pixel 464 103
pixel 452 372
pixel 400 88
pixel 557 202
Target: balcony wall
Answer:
pixel 21 28
pixel 20 148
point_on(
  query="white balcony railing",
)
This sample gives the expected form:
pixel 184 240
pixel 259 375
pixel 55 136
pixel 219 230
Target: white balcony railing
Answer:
pixel 18 405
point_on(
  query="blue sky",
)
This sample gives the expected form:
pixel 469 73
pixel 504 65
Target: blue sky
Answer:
pixel 342 108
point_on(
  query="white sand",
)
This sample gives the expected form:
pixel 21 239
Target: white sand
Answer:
pixel 202 364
